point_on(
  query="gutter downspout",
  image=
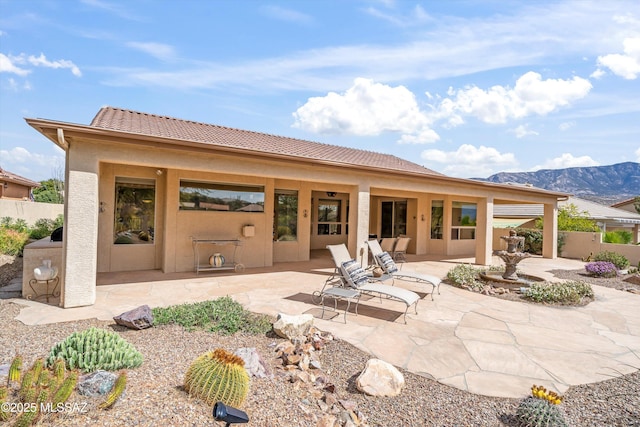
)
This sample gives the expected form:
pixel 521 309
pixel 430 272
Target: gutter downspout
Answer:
pixel 61 141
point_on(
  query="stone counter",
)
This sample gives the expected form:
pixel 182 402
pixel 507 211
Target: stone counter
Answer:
pixel 33 255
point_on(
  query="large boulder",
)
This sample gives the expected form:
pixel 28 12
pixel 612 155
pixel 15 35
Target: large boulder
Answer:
pixel 380 378
pixel 138 318
pixel 293 327
pixel 97 383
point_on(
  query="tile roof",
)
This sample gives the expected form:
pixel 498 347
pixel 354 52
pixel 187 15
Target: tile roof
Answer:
pixel 12 177
pixel 123 120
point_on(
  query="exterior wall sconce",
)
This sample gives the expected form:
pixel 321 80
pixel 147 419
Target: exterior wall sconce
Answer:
pixel 305 213
pixel 331 193
pixel 159 172
pixel 422 217
pixel 102 207
pixel 6 185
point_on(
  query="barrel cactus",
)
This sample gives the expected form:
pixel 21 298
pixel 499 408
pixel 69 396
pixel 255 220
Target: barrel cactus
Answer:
pixel 535 412
pixel 218 376
pixel 94 349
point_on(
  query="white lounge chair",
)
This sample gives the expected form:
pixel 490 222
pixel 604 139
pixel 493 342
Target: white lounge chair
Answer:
pixel 388 265
pixel 350 274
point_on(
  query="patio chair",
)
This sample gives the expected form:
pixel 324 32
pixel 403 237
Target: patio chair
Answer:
pixel 389 267
pixel 350 274
pixel 388 244
pixel 400 249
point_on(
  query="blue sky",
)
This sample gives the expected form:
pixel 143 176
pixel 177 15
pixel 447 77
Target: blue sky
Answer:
pixel 466 88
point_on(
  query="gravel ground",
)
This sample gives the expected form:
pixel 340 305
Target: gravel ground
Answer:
pixel 154 394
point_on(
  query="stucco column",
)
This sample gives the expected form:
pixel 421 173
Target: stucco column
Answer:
pixel 484 231
pixel 550 231
pixel 80 240
pixel 359 211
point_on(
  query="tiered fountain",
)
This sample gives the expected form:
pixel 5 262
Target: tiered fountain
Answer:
pixel 511 257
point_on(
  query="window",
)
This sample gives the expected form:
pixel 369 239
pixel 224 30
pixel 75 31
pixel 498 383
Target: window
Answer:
pixel 394 218
pixel 285 217
pixel 329 216
pixel 437 216
pixel 463 221
pixel 135 211
pixel 208 196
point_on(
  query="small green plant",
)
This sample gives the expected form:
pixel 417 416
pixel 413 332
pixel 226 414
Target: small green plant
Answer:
pixel 222 315
pixel 116 391
pixel 14 370
pixel 568 293
pixel 465 276
pixel 620 261
pixel 601 269
pixel 218 376
pixel 94 349
pixel 12 242
pixel 621 237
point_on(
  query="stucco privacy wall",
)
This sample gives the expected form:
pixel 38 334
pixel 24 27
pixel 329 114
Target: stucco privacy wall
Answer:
pixel 29 211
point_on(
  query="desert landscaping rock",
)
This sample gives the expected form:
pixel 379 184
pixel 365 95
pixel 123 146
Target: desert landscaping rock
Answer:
pixel 291 326
pixel 138 318
pixel 380 378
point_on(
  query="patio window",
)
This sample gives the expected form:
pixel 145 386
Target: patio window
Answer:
pixel 285 217
pixel 437 216
pixel 209 196
pixel 329 216
pixel 463 221
pixel 135 211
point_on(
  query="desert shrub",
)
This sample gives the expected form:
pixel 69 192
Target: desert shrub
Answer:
pixel 465 276
pixel 16 225
pixel 571 292
pixel 12 242
pixel 620 261
pixel 42 228
pixel 601 269
pixel 532 240
pixel 620 237
pixel 222 315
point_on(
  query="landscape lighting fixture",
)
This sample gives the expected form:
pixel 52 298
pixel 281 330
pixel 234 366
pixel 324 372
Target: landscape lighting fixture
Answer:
pixel 229 415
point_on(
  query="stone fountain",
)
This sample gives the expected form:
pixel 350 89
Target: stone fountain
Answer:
pixel 513 255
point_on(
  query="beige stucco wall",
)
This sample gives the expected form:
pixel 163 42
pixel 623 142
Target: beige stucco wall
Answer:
pixel 579 245
pixel 29 211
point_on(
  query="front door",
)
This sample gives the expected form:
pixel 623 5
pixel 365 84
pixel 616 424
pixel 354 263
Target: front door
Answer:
pixel 134 230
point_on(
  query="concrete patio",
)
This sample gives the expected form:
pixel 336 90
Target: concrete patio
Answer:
pixel 477 343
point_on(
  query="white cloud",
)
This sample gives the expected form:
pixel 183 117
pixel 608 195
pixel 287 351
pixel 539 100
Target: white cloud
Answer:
pixel 625 65
pixel 530 96
pixel 157 50
pixel 566 125
pixel 470 161
pixel 417 16
pixel 523 130
pixel 8 65
pixel 41 61
pixel 19 159
pixel 367 108
pixel 288 15
pixel 567 160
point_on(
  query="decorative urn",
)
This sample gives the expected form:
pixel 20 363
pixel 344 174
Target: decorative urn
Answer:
pixel 216 260
pixel 45 271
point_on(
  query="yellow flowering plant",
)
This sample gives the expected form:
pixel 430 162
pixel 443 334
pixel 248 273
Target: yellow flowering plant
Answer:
pixel 540 392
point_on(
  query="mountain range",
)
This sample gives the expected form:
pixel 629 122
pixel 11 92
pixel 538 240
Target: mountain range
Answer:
pixel 601 184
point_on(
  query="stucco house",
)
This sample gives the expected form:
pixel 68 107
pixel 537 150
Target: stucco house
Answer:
pixel 15 187
pixel 142 187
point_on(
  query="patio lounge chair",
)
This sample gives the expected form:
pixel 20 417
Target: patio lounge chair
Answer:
pixel 400 249
pixel 349 274
pixel 388 265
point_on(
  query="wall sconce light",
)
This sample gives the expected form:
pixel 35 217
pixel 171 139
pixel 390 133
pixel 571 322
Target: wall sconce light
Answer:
pixel 102 207
pixel 159 172
pixel 422 217
pixel 305 213
pixel 6 185
pixel 331 193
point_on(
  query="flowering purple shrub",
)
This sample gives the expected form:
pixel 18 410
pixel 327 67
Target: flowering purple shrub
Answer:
pixel 601 269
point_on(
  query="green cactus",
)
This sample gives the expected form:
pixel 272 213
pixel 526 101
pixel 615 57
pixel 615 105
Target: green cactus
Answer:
pixel 14 370
pixel 218 376
pixel 116 391
pixel 4 411
pixel 94 349
pixel 62 394
pixel 534 412
pixel 27 389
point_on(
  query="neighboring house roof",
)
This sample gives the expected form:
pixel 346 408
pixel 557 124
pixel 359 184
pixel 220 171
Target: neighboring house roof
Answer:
pixel 624 202
pixel 7 176
pixel 596 211
pixel 169 127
